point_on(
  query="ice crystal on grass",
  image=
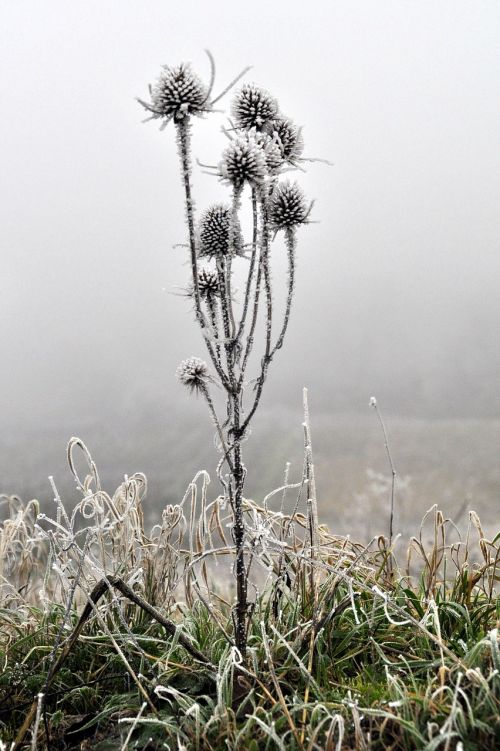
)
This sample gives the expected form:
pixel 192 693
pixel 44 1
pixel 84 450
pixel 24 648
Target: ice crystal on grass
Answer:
pixel 193 373
pixel 253 107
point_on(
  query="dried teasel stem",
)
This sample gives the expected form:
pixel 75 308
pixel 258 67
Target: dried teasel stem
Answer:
pixel 266 270
pixel 239 533
pixel 290 246
pixel 255 230
pixel 183 140
pixel 212 309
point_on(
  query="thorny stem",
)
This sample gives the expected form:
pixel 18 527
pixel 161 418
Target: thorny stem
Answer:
pixel 217 424
pixel 233 455
pixel 266 359
pixel 212 309
pixel 183 145
pixel 222 272
pixel 232 431
pixel 233 233
pixel 290 246
pixel 183 131
pixel 250 337
pixel 255 231
pixel 239 533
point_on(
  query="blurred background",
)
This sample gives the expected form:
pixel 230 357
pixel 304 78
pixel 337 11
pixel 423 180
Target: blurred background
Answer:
pixel 397 286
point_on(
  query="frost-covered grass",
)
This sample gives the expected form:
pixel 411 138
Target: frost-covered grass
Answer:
pixel 347 647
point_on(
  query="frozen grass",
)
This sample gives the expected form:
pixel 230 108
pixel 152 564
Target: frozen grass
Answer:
pixel 347 648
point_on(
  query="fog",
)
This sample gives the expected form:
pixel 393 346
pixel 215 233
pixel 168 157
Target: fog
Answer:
pixel 397 287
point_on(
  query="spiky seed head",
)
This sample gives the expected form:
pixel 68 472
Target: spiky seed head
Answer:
pixel 272 150
pixel 193 373
pixel 253 107
pixel 244 160
pixel 178 92
pixel 288 137
pixel 214 232
pixel 288 206
pixel 208 283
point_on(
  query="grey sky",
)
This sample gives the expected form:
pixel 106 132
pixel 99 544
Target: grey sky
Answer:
pixel 398 284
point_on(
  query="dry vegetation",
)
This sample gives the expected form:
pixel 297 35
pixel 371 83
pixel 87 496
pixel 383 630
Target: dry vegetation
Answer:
pixel 114 637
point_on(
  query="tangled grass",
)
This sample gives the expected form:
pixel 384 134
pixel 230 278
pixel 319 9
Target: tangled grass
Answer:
pixel 346 648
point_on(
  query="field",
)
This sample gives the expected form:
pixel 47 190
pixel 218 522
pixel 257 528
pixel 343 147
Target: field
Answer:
pixel 451 462
pixel 116 631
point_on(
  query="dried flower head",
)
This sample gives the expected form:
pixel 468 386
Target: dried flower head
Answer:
pixel 288 137
pixel 288 206
pixel 193 373
pixel 208 283
pixel 244 160
pixel 214 232
pixel 253 107
pixel 178 92
pixel 271 148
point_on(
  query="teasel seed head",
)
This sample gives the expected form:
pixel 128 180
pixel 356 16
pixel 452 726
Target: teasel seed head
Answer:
pixel 214 232
pixel 208 284
pixel 287 206
pixel 272 150
pixel 244 160
pixel 194 374
pixel 178 93
pixel 288 137
pixel 253 107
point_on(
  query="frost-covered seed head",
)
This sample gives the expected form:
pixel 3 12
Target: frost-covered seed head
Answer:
pixel 193 373
pixel 288 206
pixel 244 160
pixel 272 150
pixel 178 92
pixel 214 232
pixel 208 283
pixel 253 107
pixel 288 137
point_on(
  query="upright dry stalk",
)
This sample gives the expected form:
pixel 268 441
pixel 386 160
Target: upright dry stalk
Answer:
pixel 374 405
pixel 262 144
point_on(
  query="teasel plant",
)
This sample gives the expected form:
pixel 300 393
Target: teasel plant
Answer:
pixel 263 146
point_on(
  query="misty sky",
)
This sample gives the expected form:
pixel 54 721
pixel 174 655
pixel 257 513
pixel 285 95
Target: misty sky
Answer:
pixel 397 289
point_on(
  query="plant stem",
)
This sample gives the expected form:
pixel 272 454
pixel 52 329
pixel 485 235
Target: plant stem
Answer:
pixel 290 246
pixel 183 142
pixel 238 473
pixel 212 309
pixel 266 359
pixel 255 219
